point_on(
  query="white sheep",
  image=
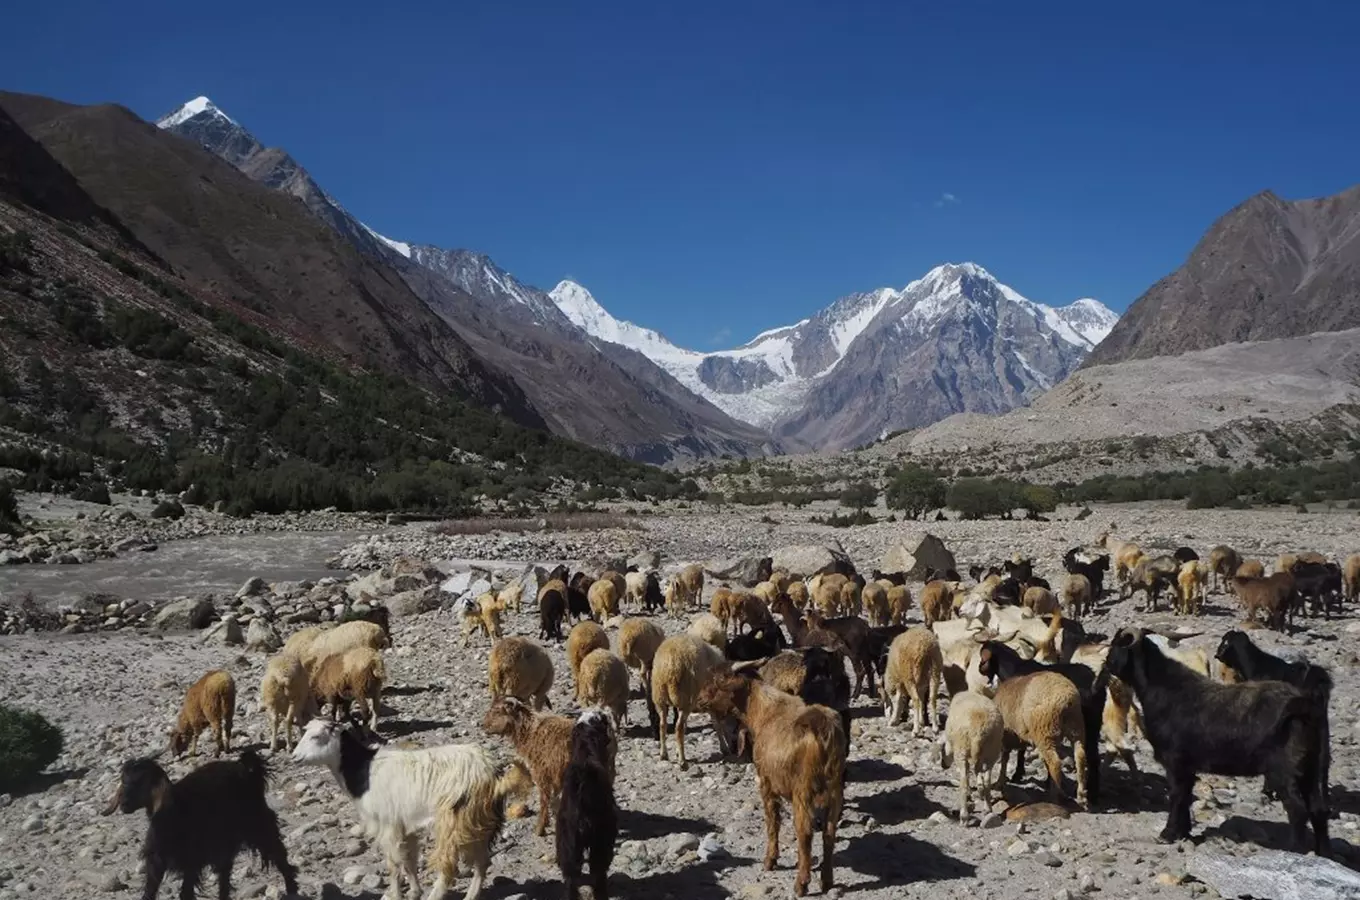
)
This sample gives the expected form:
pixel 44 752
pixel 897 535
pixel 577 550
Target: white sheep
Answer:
pixel 972 742
pixel 286 696
pixel 915 666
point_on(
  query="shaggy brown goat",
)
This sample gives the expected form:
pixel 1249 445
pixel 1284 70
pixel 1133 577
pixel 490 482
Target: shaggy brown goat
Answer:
pixel 542 741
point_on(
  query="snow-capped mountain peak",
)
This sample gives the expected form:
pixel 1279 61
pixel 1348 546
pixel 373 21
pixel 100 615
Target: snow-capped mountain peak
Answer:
pixel 194 107
pixel 586 313
pixel 403 248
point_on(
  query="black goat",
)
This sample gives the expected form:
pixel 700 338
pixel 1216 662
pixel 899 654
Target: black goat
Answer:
pixel 1001 661
pixel 880 641
pixel 578 602
pixel 854 633
pixel 1008 592
pixel 552 607
pixel 1094 571
pixel 825 682
pixel 897 578
pixel 764 570
pixel 377 614
pixel 762 643
pixel 1184 555
pixel 205 819
pixel 933 574
pixel 587 817
pixel 1319 584
pixel 652 598
pixel 1240 653
pixel 1023 570
pixel 559 573
pixel 1199 726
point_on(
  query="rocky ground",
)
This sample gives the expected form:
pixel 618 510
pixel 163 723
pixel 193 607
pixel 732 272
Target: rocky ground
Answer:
pixel 696 834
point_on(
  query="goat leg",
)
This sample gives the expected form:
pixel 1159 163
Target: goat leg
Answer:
pixel 802 829
pixel 1181 785
pixel 771 803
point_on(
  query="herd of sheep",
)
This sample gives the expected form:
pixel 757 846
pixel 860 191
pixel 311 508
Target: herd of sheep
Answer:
pixel 776 666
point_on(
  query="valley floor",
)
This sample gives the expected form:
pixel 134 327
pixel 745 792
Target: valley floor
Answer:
pixel 115 694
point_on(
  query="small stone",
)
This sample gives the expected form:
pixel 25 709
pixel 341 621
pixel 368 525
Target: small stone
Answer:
pixel 353 875
pixel 1019 848
pixel 709 848
pixel 1064 894
pixel 993 820
pixel 353 847
pixel 1169 879
pixel 753 891
pixel 1086 884
pixel 1047 858
pixel 371 881
pixel 682 843
pixel 938 817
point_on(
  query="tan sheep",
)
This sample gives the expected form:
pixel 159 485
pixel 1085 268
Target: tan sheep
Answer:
pixel 1251 568
pixel 937 601
pixel 1040 601
pixel 1350 576
pixel 1223 563
pixel 638 640
pixel 708 629
pixel 692 580
pixel 974 735
pixel 584 637
pixel 511 595
pixel 285 696
pixel 210 702
pixel 517 667
pixel 915 666
pixel 356 675
pixel 1076 596
pixel 340 639
pixel 1043 709
pixel 683 665
pixel 722 606
pixel 798 593
pixel 604 599
pixel 851 601
pixel 635 589
pixel 603 681
pixel 781 581
pixel 1190 581
pixel 874 596
pixel 899 603
pixel 619 581
pixel 1285 562
pixel 767 592
pixel 299 642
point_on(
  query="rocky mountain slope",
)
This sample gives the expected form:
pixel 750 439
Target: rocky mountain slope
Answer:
pixel 609 397
pixel 954 340
pixel 1270 268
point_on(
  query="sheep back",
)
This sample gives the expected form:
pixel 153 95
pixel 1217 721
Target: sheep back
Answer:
pixel 583 638
pixel 517 667
pixel 603 681
pixel 638 640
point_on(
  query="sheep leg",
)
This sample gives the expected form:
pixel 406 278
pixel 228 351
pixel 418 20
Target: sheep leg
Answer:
pixel 188 888
pixel 663 712
pixel 933 704
pixel 287 728
pixel 1049 754
pixel 410 863
pixel 771 802
pixel 682 718
pixel 274 731
pixel 223 871
pixel 802 829
pixel 1019 774
pixel 475 852
pixel 917 709
pixel 964 764
pixel 984 786
pixel 1181 787
pixel 392 851
pixel 1079 763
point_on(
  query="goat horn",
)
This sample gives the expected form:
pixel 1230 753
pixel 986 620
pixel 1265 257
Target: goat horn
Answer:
pixel 750 664
pixel 116 802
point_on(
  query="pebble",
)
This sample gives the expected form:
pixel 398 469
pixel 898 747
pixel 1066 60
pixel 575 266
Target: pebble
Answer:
pixel 33 825
pixel 1019 848
pixel 682 843
pixel 1047 858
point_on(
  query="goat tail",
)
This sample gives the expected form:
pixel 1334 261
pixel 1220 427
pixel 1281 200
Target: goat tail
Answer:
pixel 826 744
pixel 515 783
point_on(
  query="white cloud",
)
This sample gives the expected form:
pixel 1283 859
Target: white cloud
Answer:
pixel 946 199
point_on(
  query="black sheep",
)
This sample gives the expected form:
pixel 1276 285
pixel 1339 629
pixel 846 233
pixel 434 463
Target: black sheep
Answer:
pixel 552 607
pixel 578 600
pixel 762 643
pixel 1184 555
pixel 1319 584
pixel 205 819
pixel 825 682
pixel 587 817
pixel 652 598
pixel 1001 661
pixel 1094 571
pixel 1199 726
pixel 897 578
pixel 1240 653
pixel 764 570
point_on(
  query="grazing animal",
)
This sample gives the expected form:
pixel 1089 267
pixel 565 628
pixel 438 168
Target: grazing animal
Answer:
pixel 1093 571
pixel 1273 595
pixel 517 667
pixel 285 694
pixel 210 702
pixel 1043 709
pixel 552 609
pixel 205 819
pixel 356 675
pixel 972 742
pixel 1223 563
pixel 899 603
pixel 587 817
pixel 584 637
pixel 1198 726
pixel 543 743
pixel 398 794
pixel 603 681
pixel 652 597
pixel 638 640
pixel 1350 576
pixel 915 667
pixel 799 753
pixel 683 665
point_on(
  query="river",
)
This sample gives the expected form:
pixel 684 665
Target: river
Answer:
pixel 216 563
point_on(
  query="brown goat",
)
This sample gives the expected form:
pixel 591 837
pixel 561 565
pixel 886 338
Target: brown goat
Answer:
pixel 210 702
pixel 899 603
pixel 1350 576
pixel 799 753
pixel 542 741
pixel 1271 595
pixel 1223 563
pixel 1043 709
pixel 937 601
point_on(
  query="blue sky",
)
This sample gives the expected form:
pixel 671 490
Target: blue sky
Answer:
pixel 713 170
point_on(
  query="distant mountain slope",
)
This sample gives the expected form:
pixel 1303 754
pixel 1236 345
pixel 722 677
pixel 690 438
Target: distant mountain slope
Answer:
pixel 954 340
pixel 608 397
pixel 256 248
pixel 1270 268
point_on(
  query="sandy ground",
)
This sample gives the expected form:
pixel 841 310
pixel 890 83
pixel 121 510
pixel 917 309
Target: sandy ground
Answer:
pixel 116 694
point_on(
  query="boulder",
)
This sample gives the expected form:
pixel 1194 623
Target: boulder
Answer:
pixel 134 542
pixel 226 632
pixel 12 558
pixel 254 585
pixel 185 613
pixel 410 567
pixel 374 583
pixel 739 569
pixel 410 603
pixel 806 560
pixel 646 560
pixel 260 635
pixel 915 553
pixel 259 607
pixel 1275 875
pixel 460 583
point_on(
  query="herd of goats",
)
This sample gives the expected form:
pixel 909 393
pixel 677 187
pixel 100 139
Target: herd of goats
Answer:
pixel 769 662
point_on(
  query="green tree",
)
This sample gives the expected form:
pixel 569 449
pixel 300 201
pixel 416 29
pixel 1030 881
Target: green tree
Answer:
pixel 977 498
pixel 1038 498
pixel 859 495
pixel 916 491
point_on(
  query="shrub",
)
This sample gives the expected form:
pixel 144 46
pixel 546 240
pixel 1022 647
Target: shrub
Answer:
pixel 93 492
pixel 28 744
pixel 977 498
pixel 859 495
pixel 168 509
pixel 916 491
pixel 9 511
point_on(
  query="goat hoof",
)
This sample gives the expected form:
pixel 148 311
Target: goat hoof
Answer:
pixel 1167 836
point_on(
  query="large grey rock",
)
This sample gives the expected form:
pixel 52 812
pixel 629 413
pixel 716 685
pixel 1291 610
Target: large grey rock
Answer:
pixel 647 559
pixel 410 603
pixel 186 613
pixel 1275 875
pixel 226 632
pixel 410 567
pixel 260 635
pixel 740 569
pixel 806 560
pixel 916 552
pixel 254 585
pixel 375 584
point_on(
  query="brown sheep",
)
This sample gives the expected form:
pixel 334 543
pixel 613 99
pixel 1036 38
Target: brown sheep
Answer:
pixel 799 752
pixel 708 629
pixel 603 681
pixel 584 637
pixel 692 580
pixel 1270 595
pixel 541 740
pixel 355 675
pixel 517 667
pixel 1043 709
pixel 723 606
pixel 937 601
pixel 1223 563
pixel 899 602
pixel 850 601
pixel 751 612
pixel 915 666
pixel 781 581
pixel 1285 562
pixel 1350 576
pixel 797 591
pixel 604 599
pixel 1250 568
pixel 826 598
pixel 683 665
pixel 1310 556
pixel 1040 601
pixel 874 596
pixel 767 591
pixel 1076 596
pixel 210 702
pixel 1190 580
pixel 638 640
pixel 618 580
pixel 286 696
pixel 785 671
